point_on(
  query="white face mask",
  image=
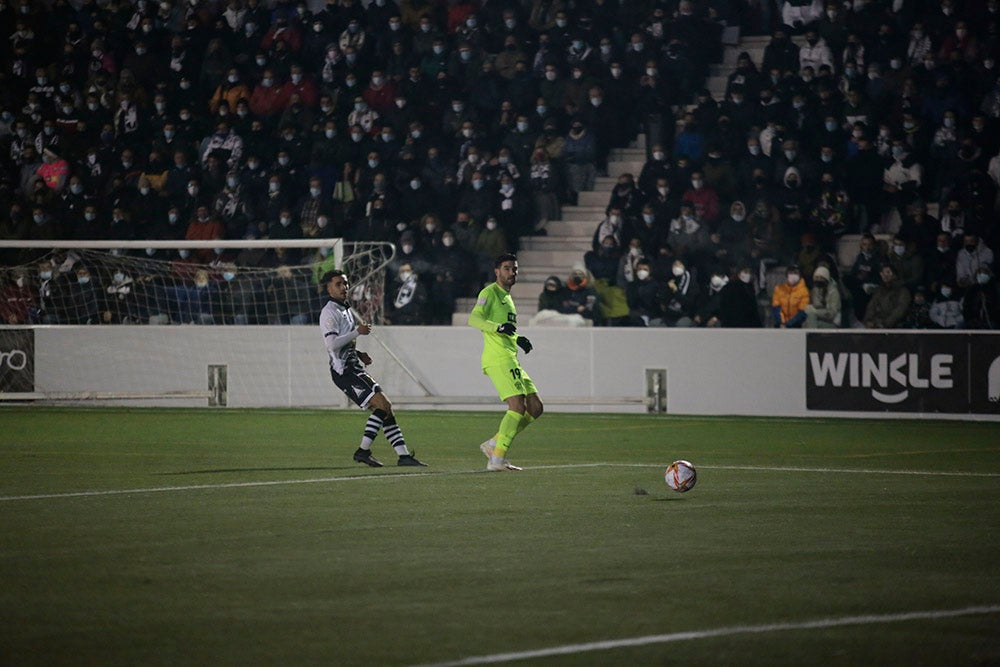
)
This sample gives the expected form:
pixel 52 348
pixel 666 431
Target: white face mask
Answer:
pixel 45 275
pixel 793 279
pixel 678 270
pixel 642 274
pixel 407 249
pixel 718 281
pixel 404 276
pixel 447 242
pixel 982 278
pixel 946 292
pixel 658 155
pixel 491 225
pixel 321 222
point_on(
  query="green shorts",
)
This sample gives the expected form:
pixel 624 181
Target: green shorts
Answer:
pixel 510 380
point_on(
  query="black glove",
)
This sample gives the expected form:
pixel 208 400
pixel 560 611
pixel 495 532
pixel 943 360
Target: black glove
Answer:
pixel 507 328
pixel 524 344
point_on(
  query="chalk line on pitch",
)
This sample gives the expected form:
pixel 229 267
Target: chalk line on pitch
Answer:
pixel 819 624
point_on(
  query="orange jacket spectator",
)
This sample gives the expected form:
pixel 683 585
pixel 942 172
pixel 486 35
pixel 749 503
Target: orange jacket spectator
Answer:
pixel 229 93
pixel 791 296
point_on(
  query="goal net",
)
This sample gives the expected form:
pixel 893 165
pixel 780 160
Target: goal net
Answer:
pixel 86 287
pixel 188 282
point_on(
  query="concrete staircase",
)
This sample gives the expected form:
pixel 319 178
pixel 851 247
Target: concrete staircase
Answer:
pixel 569 238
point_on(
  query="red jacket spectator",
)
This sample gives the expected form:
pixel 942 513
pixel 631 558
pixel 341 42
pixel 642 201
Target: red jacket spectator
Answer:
pixel 204 227
pixel 16 302
pixel 381 97
pixel 267 100
pixel 288 34
pixel 302 85
pixel 54 170
pixel 703 198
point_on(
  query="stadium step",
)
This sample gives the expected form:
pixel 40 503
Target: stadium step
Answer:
pixel 581 243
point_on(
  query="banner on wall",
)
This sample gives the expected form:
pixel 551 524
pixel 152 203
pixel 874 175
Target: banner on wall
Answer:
pixel 903 372
pixel 17 360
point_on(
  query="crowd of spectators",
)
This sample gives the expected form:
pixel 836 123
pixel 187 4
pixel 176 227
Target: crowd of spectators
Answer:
pixel 864 118
pixel 453 127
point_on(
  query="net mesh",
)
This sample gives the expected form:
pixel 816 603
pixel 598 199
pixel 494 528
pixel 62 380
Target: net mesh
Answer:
pixel 188 286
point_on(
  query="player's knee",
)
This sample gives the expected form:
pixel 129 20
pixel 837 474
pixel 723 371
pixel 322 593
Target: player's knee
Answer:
pixel 516 404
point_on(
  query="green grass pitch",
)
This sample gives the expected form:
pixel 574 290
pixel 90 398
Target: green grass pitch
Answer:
pixel 250 537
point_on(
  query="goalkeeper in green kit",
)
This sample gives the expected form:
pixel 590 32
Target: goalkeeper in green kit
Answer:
pixel 496 316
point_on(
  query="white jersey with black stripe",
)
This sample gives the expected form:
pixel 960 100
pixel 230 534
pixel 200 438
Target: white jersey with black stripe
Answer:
pixel 340 330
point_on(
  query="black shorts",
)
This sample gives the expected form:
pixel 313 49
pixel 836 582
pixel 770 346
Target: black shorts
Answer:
pixel 356 385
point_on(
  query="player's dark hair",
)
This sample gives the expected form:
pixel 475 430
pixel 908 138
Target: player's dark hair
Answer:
pixel 331 274
pixel 506 257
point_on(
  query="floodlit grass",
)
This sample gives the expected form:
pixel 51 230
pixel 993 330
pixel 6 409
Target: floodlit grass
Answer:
pixel 338 564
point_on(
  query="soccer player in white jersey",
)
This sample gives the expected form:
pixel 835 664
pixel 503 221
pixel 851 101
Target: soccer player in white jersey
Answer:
pixel 347 367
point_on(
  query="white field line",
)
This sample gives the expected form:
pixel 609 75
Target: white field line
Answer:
pixel 356 478
pixel 279 482
pixel 852 471
pixel 573 649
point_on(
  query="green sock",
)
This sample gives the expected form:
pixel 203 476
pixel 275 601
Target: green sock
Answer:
pixel 508 429
pixel 526 419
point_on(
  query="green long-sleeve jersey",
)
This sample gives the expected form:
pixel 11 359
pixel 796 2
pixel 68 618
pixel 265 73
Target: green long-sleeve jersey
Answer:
pixel 494 307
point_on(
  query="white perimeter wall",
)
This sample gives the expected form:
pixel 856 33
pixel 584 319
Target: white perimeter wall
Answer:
pixel 715 372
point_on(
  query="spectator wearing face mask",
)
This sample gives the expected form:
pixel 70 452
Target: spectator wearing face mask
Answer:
pixel 907 261
pixel 83 304
pixel 54 170
pixel 268 98
pixel 981 303
pixel 681 296
pixel 738 307
pixel 451 279
pixel 688 234
pixel 478 199
pixel 489 244
pixel 710 307
pixel 703 198
pixel 973 255
pixel 406 299
pixel 946 309
pixel 789 300
pixel 512 207
pixel 645 297
pixel 824 308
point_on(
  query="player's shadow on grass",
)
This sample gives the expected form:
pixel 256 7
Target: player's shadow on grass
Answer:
pixel 219 471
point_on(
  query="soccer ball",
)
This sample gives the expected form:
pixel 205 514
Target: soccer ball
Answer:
pixel 681 476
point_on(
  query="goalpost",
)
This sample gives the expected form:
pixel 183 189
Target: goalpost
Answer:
pixel 149 289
